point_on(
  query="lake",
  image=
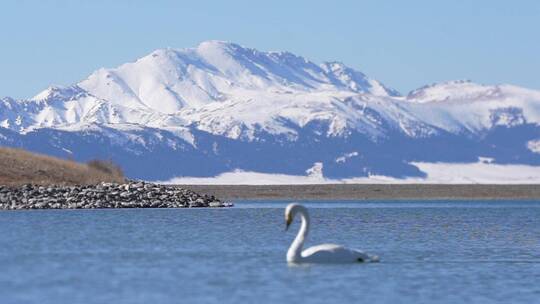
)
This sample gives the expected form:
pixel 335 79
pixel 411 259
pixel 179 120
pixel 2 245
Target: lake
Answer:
pixel 431 252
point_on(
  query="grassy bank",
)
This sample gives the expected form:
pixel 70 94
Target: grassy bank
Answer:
pixel 18 167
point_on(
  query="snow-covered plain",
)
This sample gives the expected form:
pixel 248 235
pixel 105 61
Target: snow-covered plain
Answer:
pixel 437 173
pixel 534 146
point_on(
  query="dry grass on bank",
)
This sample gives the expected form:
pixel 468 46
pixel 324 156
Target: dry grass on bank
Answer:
pixel 18 167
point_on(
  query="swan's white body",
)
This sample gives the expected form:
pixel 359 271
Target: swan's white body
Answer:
pixel 324 253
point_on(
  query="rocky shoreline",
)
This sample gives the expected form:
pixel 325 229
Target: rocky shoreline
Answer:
pixel 104 195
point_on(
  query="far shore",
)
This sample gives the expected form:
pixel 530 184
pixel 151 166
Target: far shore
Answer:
pixel 372 192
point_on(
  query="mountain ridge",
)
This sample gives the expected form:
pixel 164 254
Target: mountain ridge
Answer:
pixel 206 103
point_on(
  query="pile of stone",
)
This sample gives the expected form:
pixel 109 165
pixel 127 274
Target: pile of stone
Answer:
pixel 104 195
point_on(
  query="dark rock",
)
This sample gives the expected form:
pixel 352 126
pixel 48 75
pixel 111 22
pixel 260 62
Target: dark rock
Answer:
pixel 104 195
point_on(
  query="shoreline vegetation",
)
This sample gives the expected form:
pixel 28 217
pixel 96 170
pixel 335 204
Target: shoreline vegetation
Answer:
pixel 19 167
pixel 372 191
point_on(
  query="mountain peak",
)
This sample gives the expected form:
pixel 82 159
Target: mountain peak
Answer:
pixel 59 92
pixel 217 44
pixel 454 90
pixel 334 66
pixel 168 80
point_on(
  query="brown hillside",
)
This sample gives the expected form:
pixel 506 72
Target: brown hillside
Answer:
pixel 19 167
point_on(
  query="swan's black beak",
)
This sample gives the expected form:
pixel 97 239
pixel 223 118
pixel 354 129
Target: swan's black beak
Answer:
pixel 287 223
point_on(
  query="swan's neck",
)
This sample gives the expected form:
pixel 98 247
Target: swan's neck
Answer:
pixel 294 254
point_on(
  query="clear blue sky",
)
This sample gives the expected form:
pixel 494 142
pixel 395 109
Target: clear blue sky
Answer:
pixel 405 44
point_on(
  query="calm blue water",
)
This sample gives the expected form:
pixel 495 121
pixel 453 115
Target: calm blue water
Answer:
pixel 432 252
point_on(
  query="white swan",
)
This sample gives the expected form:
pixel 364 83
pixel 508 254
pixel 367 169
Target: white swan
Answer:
pixel 324 253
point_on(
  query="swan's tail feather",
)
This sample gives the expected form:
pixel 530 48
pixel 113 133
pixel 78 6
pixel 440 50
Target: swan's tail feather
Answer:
pixel 375 259
pixel 368 259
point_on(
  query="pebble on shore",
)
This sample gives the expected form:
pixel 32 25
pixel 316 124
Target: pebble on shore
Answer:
pixel 104 195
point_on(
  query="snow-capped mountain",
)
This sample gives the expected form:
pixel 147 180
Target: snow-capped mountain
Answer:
pixel 220 107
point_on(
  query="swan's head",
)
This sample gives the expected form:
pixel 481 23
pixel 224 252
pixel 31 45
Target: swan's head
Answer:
pixel 291 211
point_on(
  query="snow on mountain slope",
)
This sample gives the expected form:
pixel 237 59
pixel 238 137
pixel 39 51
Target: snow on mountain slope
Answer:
pixel 473 109
pixel 463 105
pixel 355 81
pixel 460 90
pixel 168 80
pixel 230 90
pixel 71 106
pixel 342 112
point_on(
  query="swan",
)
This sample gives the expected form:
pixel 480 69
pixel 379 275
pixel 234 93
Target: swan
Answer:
pixel 324 253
